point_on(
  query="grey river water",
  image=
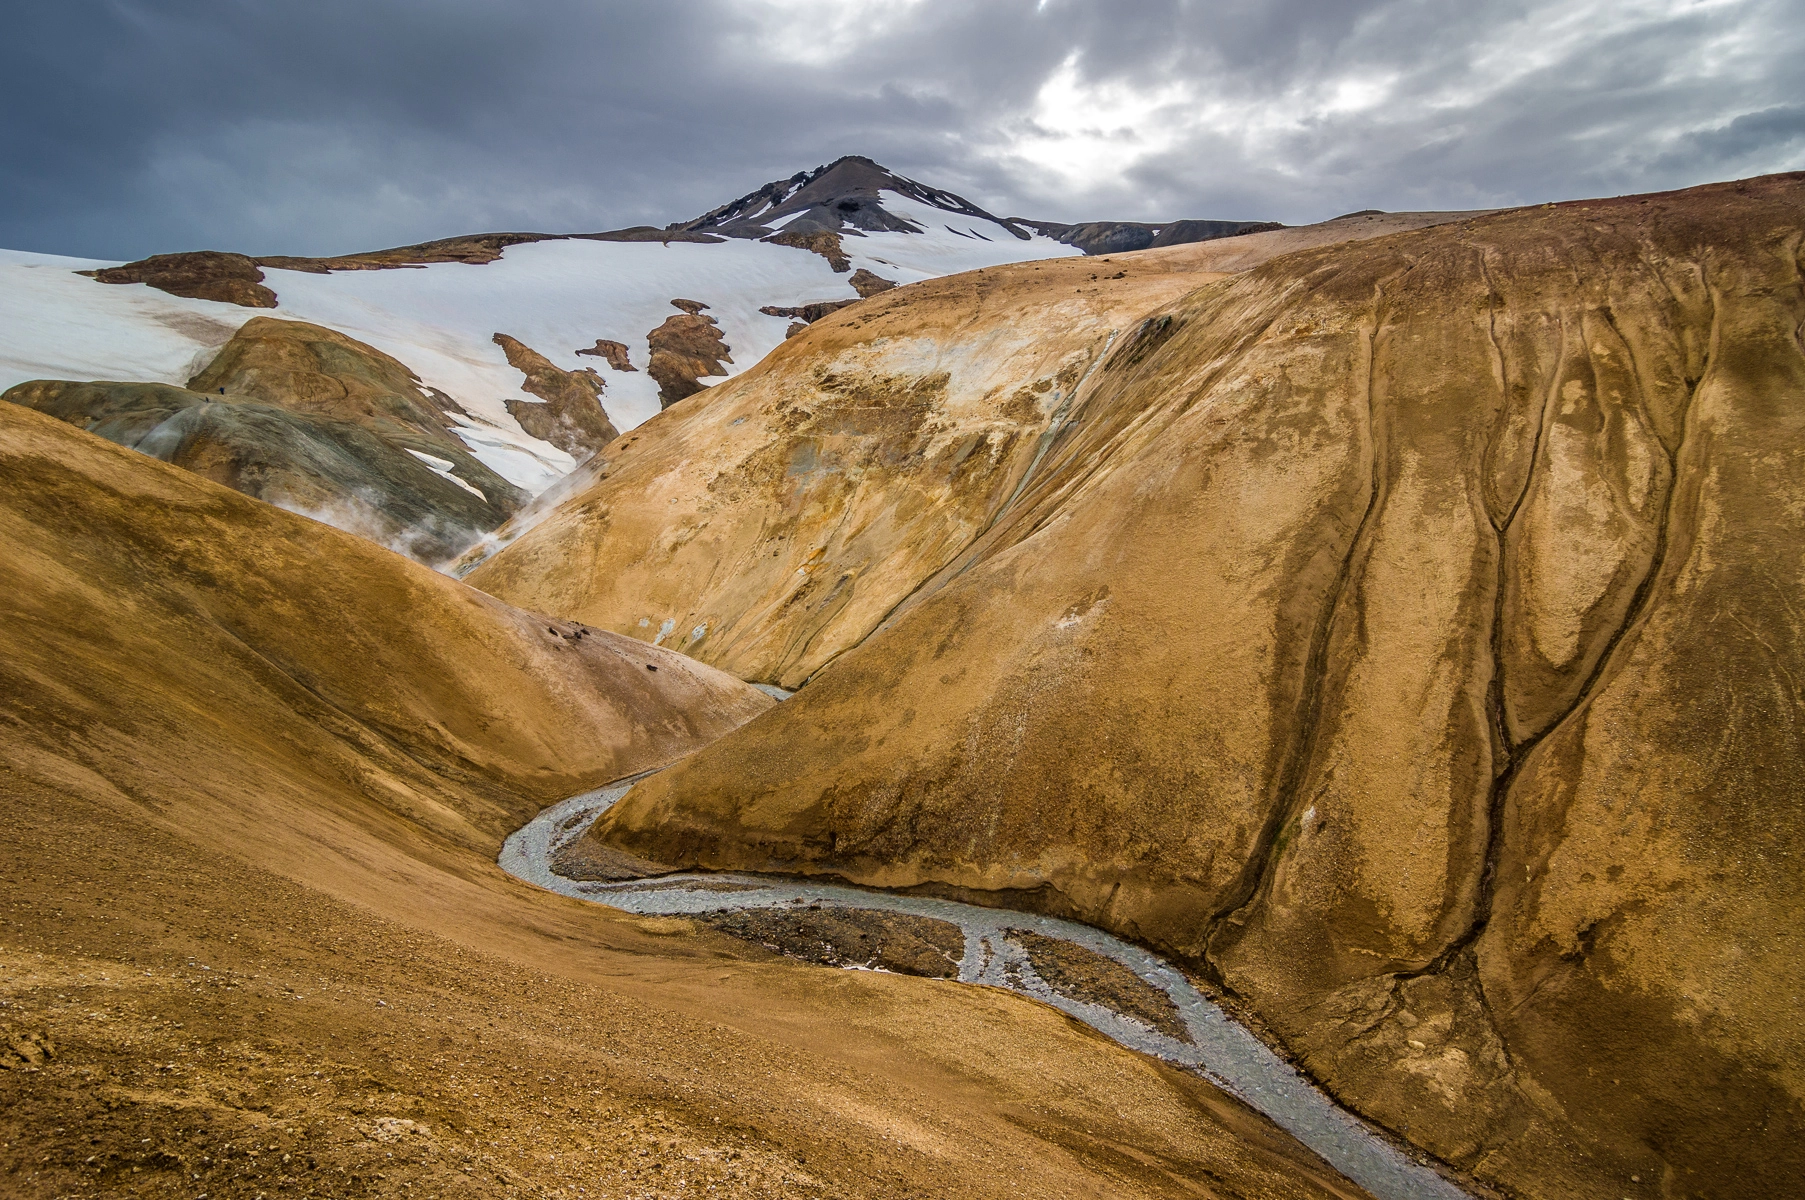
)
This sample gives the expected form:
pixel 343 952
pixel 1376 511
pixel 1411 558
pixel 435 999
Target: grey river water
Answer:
pixel 1219 1049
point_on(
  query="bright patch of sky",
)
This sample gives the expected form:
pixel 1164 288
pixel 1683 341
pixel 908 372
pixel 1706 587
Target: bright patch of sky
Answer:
pixel 378 124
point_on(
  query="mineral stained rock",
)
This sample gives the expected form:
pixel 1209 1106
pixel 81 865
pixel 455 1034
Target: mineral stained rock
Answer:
pixel 199 275
pixel 1404 633
pixel 775 526
pixel 572 417
pixel 685 349
pixel 312 421
pixel 868 283
pixel 614 352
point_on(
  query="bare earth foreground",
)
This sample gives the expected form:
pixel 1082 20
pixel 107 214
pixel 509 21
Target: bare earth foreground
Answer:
pixel 253 942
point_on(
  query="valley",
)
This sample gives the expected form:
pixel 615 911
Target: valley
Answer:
pixel 1306 711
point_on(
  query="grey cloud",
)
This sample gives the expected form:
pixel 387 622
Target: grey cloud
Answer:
pixel 132 126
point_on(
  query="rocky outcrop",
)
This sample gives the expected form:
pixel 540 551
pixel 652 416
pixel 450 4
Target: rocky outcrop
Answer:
pixel 312 421
pixel 863 281
pixel 335 471
pixel 649 233
pixel 614 352
pixel 684 350
pixel 239 279
pixel 846 192
pixel 571 416
pixel 868 284
pixel 198 275
pixel 808 314
pixel 1402 633
pixel 824 242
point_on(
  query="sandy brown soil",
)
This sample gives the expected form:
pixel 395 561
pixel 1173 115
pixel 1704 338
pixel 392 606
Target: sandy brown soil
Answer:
pixel 254 774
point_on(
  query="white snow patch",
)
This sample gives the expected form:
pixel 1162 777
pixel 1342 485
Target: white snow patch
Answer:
pixel 557 297
pixel 442 468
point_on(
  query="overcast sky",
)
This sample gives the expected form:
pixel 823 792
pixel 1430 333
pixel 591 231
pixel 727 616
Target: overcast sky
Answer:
pixel 130 127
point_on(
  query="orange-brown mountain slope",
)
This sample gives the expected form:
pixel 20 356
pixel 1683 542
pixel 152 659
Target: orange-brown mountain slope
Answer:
pixel 253 940
pixel 1406 634
pixel 772 522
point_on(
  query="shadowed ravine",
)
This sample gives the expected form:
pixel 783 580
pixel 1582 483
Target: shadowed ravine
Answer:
pixel 1217 1048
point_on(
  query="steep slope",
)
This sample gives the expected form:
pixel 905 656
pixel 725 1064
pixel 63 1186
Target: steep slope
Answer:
pixel 773 526
pixel 314 422
pixel 210 631
pixel 1404 632
pixel 784 514
pixel 253 940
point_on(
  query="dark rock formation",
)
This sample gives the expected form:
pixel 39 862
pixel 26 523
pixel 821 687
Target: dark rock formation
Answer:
pixel 808 314
pixel 867 284
pixel 475 248
pixel 572 417
pixel 824 242
pixel 684 349
pixel 900 942
pixel 830 198
pixel 337 471
pixel 648 233
pixel 614 352
pixel 199 275
pixel 237 279
pixel 1115 237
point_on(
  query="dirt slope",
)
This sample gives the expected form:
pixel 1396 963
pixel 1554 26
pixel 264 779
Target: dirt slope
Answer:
pixel 1405 633
pixel 252 940
pixel 772 523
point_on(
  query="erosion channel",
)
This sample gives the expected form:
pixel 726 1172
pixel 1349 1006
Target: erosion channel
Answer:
pixel 1019 951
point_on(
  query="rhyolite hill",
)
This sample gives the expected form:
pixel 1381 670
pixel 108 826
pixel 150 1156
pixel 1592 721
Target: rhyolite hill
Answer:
pixel 528 351
pixel 1392 621
pixel 1401 633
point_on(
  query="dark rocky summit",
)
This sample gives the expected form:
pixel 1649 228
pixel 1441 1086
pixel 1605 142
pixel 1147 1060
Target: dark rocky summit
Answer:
pixel 841 195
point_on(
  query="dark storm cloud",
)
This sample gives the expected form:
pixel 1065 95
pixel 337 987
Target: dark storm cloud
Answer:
pixel 133 126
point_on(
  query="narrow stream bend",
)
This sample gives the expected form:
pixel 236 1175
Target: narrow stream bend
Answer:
pixel 1218 1048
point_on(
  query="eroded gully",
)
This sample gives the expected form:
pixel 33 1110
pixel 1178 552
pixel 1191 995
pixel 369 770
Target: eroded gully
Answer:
pixel 1216 1047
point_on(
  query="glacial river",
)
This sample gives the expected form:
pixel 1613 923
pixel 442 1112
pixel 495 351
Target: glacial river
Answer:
pixel 1218 1048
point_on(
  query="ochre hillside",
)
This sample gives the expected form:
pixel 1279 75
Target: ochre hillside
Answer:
pixel 1404 633
pixel 772 522
pixel 254 943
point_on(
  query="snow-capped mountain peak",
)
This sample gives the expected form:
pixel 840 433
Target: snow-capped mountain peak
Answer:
pixel 846 195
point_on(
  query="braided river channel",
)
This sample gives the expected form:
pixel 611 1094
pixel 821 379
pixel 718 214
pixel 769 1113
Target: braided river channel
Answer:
pixel 998 946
